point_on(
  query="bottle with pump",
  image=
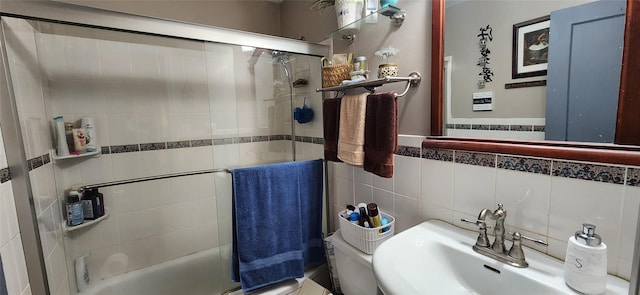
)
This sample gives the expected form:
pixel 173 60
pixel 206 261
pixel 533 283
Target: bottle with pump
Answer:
pixel 585 264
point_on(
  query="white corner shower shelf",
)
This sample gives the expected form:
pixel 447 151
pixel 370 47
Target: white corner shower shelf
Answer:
pixel 348 31
pixel 98 151
pixel 66 229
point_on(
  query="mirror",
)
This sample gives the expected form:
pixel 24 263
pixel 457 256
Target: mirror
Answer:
pixel 527 102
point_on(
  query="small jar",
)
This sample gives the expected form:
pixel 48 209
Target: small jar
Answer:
pixel 388 70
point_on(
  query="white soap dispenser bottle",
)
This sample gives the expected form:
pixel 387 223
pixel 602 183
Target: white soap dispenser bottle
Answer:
pixel 585 265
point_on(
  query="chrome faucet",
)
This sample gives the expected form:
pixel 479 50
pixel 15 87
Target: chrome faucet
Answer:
pixel 497 250
pixel 499 215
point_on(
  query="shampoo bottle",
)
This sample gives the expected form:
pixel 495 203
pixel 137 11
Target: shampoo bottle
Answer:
pixel 89 134
pixel 585 265
pixel 75 216
pixel 62 148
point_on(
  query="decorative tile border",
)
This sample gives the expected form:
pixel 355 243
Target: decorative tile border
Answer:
pixel 201 142
pixel 5 175
pixel 438 154
pixel 633 176
pixel 523 164
pixel 33 163
pixel 594 172
pixel 480 127
pixel 276 137
pixel 306 139
pixel 408 151
pixel 244 139
pixel 583 171
pixel 498 127
pixel 178 144
pixel 538 128
pixel 155 146
pixel 478 159
pixel 126 148
pixel 260 138
pixel 527 128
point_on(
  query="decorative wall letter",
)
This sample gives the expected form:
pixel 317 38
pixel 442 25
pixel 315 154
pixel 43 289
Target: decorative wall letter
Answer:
pixel 486 73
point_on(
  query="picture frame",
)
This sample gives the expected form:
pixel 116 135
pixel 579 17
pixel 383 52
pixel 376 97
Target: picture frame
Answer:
pixel 530 48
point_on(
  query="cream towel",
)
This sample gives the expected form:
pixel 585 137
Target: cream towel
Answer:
pixel 351 135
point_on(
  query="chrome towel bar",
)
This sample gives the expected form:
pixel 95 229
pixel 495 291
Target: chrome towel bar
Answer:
pixel 413 80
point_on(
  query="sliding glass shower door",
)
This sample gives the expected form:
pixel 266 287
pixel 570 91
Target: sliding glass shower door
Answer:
pixel 170 114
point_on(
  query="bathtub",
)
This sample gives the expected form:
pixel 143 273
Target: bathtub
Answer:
pixel 194 274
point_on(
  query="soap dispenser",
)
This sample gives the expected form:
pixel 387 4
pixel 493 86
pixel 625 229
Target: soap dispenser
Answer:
pixel 585 265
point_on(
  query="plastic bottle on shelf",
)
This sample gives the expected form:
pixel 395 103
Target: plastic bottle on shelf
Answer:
pixel 90 134
pixel 68 133
pixel 75 215
pixel 91 204
pixel 62 148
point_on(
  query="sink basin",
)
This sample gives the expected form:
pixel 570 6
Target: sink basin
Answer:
pixel 435 257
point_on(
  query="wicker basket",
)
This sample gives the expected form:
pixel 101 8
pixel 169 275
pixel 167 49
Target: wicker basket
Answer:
pixel 366 239
pixel 334 75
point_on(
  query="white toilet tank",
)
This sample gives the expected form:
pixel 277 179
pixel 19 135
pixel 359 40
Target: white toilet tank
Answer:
pixel 355 271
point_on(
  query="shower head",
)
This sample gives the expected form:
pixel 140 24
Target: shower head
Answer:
pixel 280 57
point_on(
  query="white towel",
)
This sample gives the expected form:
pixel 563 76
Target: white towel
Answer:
pixel 351 135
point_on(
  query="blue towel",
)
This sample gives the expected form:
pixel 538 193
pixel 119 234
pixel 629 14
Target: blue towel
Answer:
pixel 277 228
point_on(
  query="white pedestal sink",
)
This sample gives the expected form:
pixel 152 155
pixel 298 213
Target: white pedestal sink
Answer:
pixel 435 257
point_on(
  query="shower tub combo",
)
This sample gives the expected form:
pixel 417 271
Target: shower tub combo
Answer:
pixel 192 275
pixel 188 78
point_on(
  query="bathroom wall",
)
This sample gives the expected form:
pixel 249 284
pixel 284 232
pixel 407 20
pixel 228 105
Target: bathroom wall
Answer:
pixel 413 39
pixel 548 199
pixel 11 252
pixel 31 89
pixel 161 106
pixel 256 16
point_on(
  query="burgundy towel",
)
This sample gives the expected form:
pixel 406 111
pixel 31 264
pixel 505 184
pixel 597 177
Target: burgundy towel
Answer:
pixel 331 123
pixel 381 133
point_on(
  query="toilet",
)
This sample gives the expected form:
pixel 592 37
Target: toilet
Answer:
pixel 355 271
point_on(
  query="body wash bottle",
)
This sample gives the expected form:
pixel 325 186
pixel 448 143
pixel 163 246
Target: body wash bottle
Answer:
pixel 585 265
pixel 82 272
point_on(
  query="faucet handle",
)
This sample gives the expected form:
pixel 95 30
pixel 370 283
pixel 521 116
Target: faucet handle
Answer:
pixel 481 224
pixel 520 236
pixel 516 249
pixel 483 240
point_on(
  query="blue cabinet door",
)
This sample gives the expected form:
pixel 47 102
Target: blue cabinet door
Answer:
pixel 583 75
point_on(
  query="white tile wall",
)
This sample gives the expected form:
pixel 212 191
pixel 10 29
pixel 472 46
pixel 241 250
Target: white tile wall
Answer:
pixel 546 207
pixel 11 251
pixel 32 92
